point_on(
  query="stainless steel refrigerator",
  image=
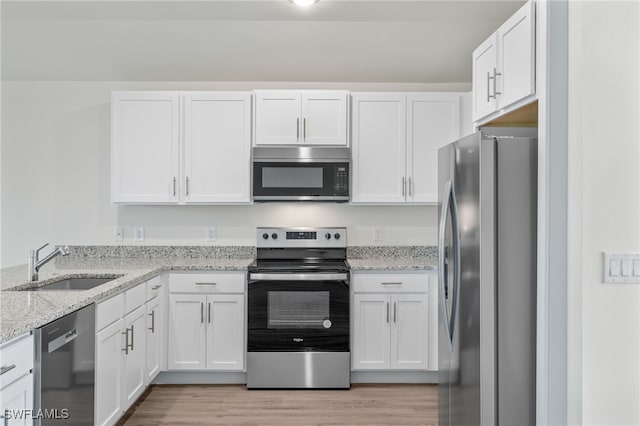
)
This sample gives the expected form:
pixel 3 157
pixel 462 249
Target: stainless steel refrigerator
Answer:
pixel 487 202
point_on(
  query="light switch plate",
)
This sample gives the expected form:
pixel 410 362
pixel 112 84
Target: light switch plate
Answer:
pixel 377 233
pixel 119 233
pixel 621 267
pixel 210 233
pixel 138 233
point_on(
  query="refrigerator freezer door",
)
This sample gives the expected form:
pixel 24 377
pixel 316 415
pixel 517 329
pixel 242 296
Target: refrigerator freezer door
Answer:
pixel 458 356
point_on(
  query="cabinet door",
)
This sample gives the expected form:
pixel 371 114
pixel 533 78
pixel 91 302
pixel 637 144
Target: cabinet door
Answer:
pixel 433 321
pixel 144 147
pixel 484 85
pixel 409 331
pixel 277 117
pixel 516 56
pixel 433 120
pixel 370 332
pixel 187 332
pixel 324 117
pixel 154 335
pixel 110 343
pixel 17 402
pixel 135 357
pixel 217 155
pixel 225 332
pixel 379 133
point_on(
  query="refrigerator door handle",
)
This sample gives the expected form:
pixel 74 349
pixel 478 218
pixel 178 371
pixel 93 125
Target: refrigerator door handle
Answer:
pixel 448 204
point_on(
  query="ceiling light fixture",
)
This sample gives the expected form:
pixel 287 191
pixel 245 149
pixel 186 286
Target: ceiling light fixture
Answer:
pixel 304 2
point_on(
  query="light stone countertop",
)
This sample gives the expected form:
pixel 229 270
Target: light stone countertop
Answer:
pixel 22 311
pixel 393 264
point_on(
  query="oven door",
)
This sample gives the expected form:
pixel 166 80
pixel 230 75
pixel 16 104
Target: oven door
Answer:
pixel 298 181
pixel 298 315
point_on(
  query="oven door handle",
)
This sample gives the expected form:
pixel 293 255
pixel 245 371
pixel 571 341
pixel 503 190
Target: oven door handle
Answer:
pixel 299 277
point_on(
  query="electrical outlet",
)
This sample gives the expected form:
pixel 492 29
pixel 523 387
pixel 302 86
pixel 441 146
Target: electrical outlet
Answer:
pixel 210 233
pixel 377 233
pixel 119 233
pixel 138 233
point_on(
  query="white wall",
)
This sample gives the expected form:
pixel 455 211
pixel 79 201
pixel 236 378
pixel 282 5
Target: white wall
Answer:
pixel 55 178
pixel 604 170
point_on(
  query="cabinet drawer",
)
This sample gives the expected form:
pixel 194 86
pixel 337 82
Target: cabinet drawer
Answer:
pixel 207 283
pixel 16 360
pixel 390 283
pixel 134 297
pixel 154 287
pixel 109 311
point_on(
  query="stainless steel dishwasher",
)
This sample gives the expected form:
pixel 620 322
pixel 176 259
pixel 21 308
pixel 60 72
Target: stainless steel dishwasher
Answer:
pixel 64 369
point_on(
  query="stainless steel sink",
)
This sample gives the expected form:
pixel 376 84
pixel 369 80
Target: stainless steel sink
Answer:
pixel 86 283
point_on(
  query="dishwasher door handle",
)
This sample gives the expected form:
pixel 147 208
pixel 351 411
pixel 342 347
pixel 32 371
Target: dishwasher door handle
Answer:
pixel 59 342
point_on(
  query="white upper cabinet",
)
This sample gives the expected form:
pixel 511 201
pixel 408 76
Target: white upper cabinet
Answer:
pixel 290 117
pixel 504 65
pixel 378 147
pixel 484 67
pixel 144 147
pixel 217 144
pixel 516 56
pixel 396 138
pixel 181 148
pixel 433 120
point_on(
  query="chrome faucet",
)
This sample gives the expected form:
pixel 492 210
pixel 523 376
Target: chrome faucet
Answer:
pixel 35 264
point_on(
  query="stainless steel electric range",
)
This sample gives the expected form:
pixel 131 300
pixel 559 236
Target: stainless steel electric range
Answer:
pixel 298 309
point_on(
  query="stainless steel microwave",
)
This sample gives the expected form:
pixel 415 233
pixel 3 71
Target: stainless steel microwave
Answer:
pixel 301 174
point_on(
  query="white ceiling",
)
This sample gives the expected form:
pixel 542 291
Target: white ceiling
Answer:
pixel 418 41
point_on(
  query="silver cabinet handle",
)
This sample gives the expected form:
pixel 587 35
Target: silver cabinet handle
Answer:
pixel 209 313
pixel 132 334
pixel 410 185
pixel 7 368
pixel 387 312
pixel 392 283
pixel 404 187
pixel 203 283
pixel 126 341
pixel 495 82
pixel 297 129
pixel 489 78
pixel 304 129
pixel 187 186
pixel 153 321
pixel 201 312
pixel 175 190
pixel 155 287
pixel 395 311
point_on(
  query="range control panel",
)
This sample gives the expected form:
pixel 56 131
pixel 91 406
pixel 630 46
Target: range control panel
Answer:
pixel 301 237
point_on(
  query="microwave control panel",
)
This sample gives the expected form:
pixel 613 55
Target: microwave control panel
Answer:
pixel 341 182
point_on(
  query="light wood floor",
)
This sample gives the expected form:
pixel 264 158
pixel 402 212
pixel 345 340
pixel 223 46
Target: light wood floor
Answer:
pixel 235 405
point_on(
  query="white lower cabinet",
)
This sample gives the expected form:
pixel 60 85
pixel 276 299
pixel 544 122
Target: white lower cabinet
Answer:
pixel 109 378
pixel 17 401
pixel 121 352
pixel 206 331
pixel 391 326
pixel 16 382
pixel 134 356
pixel 154 336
